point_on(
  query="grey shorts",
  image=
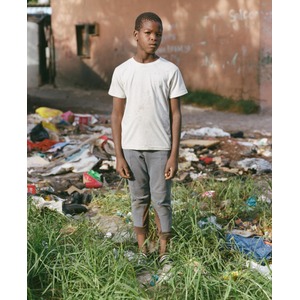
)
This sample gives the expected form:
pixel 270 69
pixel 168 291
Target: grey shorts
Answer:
pixel 149 186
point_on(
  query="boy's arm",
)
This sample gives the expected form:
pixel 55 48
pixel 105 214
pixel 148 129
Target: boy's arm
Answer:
pixel 175 115
pixel 116 119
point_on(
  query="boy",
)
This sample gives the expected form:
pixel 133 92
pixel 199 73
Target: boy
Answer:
pixel 146 125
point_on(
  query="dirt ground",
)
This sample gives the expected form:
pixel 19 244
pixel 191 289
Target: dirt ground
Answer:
pixel 99 102
pixel 231 122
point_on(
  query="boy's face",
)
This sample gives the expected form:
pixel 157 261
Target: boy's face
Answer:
pixel 149 36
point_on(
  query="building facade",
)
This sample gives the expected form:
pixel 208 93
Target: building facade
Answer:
pixel 221 46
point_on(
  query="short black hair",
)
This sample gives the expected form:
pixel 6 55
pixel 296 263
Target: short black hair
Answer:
pixel 149 16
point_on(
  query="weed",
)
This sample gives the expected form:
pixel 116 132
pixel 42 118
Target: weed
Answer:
pixel 215 101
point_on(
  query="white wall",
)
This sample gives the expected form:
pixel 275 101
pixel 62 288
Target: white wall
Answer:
pixel 32 55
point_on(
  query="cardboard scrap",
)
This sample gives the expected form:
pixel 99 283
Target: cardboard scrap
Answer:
pixel 73 189
pixel 198 142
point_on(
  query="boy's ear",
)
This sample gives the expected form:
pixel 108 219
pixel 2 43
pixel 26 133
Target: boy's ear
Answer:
pixel 135 34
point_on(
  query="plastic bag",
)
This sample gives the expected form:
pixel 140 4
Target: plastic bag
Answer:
pixel 38 133
pixel 46 112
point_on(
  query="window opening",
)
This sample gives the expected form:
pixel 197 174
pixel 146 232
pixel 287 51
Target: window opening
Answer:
pixel 83 33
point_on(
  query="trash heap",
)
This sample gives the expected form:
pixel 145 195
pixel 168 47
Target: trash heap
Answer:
pixel 69 153
pixel 212 151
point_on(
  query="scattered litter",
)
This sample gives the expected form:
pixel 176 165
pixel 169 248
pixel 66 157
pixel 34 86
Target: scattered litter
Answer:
pixel 31 189
pixel 266 271
pixel 209 222
pixel 184 165
pixel 47 112
pixel 253 247
pixel 86 119
pixel 68 116
pixel 264 198
pixel 154 279
pixel 209 131
pixel 251 201
pixel 164 274
pixel 90 181
pixel 73 209
pixel 36 161
pixel 82 161
pixel 40 203
pixel 258 164
pixel 243 233
pixel 108 235
pixel 238 134
pixel 38 133
pixel 145 278
pixel 126 217
pixel 188 154
pixel 204 143
pixel 209 194
pixel 195 176
pixel 261 142
pixel 246 144
pixel 102 129
pixel 207 160
pixel 130 255
pixel 57 146
pixel 43 145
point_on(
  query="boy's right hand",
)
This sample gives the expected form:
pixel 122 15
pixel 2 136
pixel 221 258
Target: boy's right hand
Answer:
pixel 122 168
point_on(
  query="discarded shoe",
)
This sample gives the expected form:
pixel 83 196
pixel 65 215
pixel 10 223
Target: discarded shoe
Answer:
pixel 73 209
pixel 165 259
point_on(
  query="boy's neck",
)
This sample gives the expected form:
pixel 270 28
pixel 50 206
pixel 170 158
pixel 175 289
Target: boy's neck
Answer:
pixel 147 58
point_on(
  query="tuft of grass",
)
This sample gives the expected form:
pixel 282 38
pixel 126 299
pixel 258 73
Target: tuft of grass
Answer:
pixel 82 264
pixel 218 102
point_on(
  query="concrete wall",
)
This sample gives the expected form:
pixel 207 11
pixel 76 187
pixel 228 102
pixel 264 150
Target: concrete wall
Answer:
pixel 222 46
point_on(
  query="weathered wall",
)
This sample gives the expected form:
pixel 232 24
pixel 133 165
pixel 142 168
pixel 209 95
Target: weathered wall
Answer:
pixel 223 46
pixel 33 75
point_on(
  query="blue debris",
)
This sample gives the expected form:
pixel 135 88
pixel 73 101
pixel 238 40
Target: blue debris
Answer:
pixel 253 247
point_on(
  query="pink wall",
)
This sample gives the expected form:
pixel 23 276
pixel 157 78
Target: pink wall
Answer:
pixel 223 46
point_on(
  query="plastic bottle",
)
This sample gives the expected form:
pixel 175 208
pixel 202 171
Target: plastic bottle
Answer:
pixel 264 270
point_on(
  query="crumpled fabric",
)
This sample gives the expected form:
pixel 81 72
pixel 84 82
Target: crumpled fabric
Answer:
pixel 253 247
pixel 43 146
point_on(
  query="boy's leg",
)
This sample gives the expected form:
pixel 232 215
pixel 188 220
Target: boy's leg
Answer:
pixel 142 232
pixel 140 195
pixel 164 237
pixel 160 190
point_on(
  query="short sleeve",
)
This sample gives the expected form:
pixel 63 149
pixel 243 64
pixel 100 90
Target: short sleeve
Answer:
pixel 116 86
pixel 177 88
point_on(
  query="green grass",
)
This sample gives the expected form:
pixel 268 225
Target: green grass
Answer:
pixel 82 264
pixel 208 99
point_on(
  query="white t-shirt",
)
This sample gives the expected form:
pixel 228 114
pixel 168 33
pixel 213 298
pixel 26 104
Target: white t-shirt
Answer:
pixel 147 89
